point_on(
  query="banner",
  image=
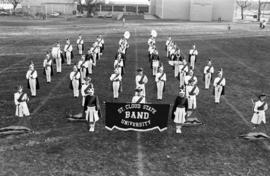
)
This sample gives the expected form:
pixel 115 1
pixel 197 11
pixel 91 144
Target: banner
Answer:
pixel 136 117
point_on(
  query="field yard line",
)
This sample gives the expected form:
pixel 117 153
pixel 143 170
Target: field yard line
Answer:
pixel 237 60
pixel 139 145
pixel 20 54
pixel 48 97
pixel 239 113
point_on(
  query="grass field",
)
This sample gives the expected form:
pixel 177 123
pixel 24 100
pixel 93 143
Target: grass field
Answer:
pixel 61 148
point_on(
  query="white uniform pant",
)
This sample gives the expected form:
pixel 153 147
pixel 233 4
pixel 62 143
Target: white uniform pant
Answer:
pixel 80 49
pixel 182 75
pixel 155 69
pixel 33 84
pixel 83 101
pixel 258 118
pixel 83 74
pixel 75 85
pixel 180 115
pixel 58 65
pixel 207 79
pixel 192 103
pixel 160 87
pixel 48 71
pixel 22 110
pixel 218 90
pixel 98 56
pixel 68 56
pixel 91 115
pixel 94 59
pixel 192 61
pixel 116 86
pixel 90 67
pixel 176 70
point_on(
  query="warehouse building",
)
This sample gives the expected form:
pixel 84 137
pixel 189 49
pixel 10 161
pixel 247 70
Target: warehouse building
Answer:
pixel 194 10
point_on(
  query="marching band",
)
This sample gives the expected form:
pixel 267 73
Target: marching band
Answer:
pixel 80 82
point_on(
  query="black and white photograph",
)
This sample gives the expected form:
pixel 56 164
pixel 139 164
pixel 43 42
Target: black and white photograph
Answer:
pixel 134 87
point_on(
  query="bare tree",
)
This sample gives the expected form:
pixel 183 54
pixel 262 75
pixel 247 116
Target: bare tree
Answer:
pixel 243 4
pixel 14 3
pixel 79 5
pixel 90 5
pixel 261 5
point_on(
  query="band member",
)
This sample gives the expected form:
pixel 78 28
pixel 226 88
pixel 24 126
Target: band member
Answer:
pixel 193 53
pixel 151 41
pixel 90 60
pixel 116 79
pixel 48 69
pixel 58 57
pixel 96 51
pixel 160 80
pixel 119 65
pixel 75 81
pixel 169 48
pixel 83 67
pixel 101 41
pixel 155 62
pixel 192 91
pixel 259 109
pixel 177 61
pixel 92 109
pixel 141 80
pixel 263 24
pixel 191 77
pixel 219 86
pixel 138 97
pixel 208 71
pixel 179 111
pixel 172 51
pixel 123 43
pixel 80 44
pixel 183 70
pixel 123 50
pixel 168 42
pixel 151 51
pixel 68 49
pixel 20 100
pixel 32 80
pixel 85 87
pixel 121 55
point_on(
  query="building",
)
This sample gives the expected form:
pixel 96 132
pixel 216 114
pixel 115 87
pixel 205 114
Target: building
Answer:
pixel 49 6
pixel 194 10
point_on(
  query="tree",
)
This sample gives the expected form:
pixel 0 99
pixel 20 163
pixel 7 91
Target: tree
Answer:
pixel 14 3
pixel 243 4
pixel 90 5
pixel 261 5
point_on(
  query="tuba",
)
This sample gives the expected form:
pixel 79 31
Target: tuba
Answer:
pixel 154 33
pixel 127 35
